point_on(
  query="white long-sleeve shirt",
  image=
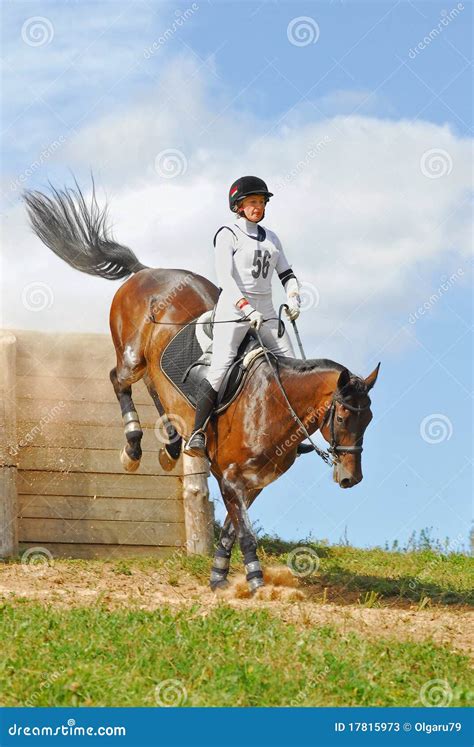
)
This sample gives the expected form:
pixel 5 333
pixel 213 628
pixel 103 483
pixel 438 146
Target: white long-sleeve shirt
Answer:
pixel 246 255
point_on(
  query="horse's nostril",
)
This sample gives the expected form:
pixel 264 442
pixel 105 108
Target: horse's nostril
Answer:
pixel 345 483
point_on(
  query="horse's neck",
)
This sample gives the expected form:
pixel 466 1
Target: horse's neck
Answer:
pixel 309 393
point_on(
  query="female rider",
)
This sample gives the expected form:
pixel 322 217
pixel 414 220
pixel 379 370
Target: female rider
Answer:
pixel 246 255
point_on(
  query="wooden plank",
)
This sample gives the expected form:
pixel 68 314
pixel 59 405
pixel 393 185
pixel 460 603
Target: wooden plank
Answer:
pixel 92 413
pixel 9 512
pixel 77 388
pixel 86 460
pixel 64 368
pixel 78 436
pixel 113 509
pixel 198 509
pixel 8 435
pixel 167 487
pixel 101 532
pixel 8 440
pixel 48 346
pixel 108 552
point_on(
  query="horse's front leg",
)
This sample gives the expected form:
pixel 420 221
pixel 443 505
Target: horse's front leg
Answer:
pixel 168 454
pixel 233 492
pixel 221 563
pixel 227 537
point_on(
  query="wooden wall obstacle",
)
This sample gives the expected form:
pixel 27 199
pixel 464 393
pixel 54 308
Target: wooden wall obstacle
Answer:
pixel 62 486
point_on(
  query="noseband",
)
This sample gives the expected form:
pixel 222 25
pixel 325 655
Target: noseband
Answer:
pixel 335 449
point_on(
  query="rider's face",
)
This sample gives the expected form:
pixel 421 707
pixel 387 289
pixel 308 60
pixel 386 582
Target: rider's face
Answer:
pixel 253 207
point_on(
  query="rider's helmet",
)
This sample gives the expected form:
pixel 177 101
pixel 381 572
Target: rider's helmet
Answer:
pixel 247 185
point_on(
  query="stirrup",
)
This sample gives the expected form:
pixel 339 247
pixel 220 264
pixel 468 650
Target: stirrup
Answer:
pixel 199 449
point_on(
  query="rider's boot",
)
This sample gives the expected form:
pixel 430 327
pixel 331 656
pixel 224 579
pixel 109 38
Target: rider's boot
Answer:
pixel 206 399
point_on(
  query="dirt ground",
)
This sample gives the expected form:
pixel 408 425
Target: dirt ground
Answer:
pixel 63 584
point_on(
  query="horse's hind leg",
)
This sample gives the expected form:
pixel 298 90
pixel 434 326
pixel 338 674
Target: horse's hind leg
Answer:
pixel 122 378
pixel 172 448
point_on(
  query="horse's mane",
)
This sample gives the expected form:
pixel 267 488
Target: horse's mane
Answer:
pixel 356 384
pixel 309 365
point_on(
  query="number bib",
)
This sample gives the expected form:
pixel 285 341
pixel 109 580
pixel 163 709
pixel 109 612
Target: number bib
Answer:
pixel 255 257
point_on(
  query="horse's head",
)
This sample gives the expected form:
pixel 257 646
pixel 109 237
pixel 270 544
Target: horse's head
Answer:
pixel 344 424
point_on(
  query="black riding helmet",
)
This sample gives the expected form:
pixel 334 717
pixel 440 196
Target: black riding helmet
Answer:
pixel 247 185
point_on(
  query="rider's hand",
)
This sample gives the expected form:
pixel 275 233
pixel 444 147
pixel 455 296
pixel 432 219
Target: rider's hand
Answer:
pixel 255 318
pixel 293 311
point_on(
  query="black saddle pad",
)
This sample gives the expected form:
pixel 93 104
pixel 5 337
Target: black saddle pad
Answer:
pixel 180 352
pixel 184 350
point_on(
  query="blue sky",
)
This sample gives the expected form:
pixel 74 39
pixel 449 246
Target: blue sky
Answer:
pixel 376 223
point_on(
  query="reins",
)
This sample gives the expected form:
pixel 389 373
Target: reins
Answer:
pixel 325 455
pixel 329 455
pixel 222 321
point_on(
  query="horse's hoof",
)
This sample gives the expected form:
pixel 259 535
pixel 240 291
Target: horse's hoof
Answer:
pixel 165 460
pixel 254 584
pixel 218 585
pixel 129 464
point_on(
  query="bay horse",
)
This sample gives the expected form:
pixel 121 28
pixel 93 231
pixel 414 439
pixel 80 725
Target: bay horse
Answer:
pixel 253 441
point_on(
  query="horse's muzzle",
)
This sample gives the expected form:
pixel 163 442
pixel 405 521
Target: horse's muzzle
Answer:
pixel 346 478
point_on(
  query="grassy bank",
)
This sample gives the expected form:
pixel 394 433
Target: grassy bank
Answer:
pixel 99 633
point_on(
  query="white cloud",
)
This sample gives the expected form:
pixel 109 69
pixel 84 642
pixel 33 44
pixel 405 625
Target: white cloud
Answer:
pixel 357 216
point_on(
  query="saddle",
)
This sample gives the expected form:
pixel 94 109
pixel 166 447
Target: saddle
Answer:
pixel 185 359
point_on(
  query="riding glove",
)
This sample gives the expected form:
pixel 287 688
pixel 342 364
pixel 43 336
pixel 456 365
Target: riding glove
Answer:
pixel 293 299
pixel 255 318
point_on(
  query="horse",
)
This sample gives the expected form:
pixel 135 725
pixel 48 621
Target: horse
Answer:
pixel 257 438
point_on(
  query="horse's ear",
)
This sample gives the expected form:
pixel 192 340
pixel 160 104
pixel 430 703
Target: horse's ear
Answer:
pixel 372 378
pixel 343 380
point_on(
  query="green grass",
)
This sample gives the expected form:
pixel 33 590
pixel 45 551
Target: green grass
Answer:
pixel 98 655
pixel 410 576
pixel 229 657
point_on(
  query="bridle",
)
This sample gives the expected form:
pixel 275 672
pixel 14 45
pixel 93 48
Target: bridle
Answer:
pixel 330 455
pixel 335 449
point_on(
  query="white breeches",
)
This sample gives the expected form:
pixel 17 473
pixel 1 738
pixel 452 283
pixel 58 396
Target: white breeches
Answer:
pixel 227 337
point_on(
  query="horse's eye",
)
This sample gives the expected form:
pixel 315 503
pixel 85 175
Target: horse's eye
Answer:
pixel 339 419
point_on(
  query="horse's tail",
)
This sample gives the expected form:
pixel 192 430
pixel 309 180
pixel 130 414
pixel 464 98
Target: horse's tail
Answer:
pixel 79 233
